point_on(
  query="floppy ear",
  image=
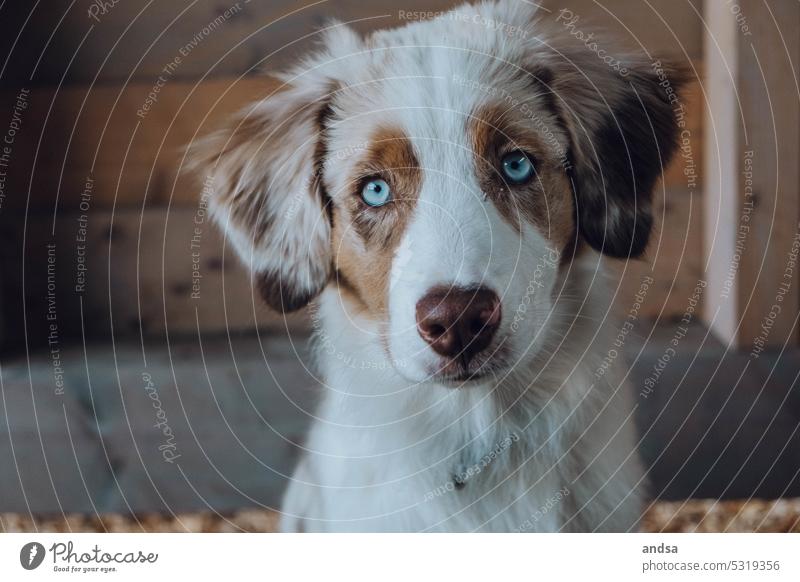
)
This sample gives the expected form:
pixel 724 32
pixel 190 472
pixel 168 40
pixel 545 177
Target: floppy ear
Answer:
pixel 264 189
pixel 621 120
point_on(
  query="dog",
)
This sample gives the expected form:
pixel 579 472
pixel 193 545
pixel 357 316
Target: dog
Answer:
pixel 447 195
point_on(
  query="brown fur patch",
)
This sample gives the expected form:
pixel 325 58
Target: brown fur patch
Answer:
pixel 365 238
pixel 237 148
pixel 266 192
pixel 547 200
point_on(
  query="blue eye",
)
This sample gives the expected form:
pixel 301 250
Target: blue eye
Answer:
pixel 376 192
pixel 517 167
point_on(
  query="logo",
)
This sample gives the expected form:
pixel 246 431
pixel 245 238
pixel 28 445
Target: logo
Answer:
pixel 31 555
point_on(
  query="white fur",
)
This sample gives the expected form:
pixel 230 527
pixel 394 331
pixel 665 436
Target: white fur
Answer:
pixel 382 446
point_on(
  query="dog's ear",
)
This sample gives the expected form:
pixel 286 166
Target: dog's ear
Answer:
pixel 620 115
pixel 264 188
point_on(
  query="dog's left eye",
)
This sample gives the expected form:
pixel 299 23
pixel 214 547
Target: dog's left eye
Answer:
pixel 376 192
pixel 517 167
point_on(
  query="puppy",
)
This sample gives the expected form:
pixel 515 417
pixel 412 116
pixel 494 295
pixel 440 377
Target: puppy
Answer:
pixel 444 193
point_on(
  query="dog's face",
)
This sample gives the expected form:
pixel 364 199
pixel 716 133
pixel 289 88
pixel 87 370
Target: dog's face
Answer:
pixel 444 185
pixel 444 201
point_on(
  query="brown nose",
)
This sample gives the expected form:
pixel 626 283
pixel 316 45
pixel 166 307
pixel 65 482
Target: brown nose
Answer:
pixel 458 322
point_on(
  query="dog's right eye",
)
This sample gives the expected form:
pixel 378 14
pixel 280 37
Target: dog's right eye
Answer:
pixel 376 192
pixel 517 167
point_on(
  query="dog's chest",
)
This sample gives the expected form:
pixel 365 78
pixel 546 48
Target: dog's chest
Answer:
pixel 439 472
pixel 483 496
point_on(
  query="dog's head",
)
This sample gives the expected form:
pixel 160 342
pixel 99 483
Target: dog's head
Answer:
pixel 443 175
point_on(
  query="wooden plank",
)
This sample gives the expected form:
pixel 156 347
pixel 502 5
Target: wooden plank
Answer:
pixel 138 39
pixel 133 155
pixel 138 272
pixel 660 27
pixel 720 185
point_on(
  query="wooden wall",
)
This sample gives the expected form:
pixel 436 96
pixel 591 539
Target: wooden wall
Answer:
pixel 92 134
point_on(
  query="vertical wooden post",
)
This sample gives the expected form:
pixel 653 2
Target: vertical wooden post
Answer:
pixel 752 182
